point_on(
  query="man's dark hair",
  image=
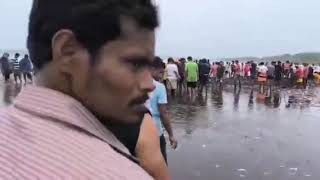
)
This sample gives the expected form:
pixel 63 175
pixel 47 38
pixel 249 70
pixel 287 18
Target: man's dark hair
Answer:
pixel 16 55
pixel 170 60
pixel 189 58
pixel 182 59
pixel 94 23
pixel 157 63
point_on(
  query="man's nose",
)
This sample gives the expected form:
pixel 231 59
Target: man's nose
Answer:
pixel 146 82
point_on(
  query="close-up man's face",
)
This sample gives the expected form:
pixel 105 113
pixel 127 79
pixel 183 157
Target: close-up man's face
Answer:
pixel 116 86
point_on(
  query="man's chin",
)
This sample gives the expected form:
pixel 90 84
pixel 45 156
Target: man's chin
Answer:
pixel 135 118
pixel 128 119
pixel 137 114
pixel 128 116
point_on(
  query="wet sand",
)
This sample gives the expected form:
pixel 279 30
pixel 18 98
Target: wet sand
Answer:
pixel 230 135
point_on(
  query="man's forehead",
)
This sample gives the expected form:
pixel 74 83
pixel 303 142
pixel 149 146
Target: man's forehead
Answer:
pixel 139 41
pixel 130 27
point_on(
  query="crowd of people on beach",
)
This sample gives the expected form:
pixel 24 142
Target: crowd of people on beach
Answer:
pixel 98 109
pixel 16 66
pixel 192 74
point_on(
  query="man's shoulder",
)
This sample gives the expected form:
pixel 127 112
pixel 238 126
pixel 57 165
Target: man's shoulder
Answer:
pixel 192 64
pixel 174 66
pixel 9 123
pixel 10 115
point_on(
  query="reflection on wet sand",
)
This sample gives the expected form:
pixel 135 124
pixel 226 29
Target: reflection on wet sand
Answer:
pixel 217 97
pixel 242 134
pixel 236 95
pixel 10 92
pixel 250 104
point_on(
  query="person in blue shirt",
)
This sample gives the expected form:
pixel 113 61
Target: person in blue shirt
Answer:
pixel 158 103
pixel 26 68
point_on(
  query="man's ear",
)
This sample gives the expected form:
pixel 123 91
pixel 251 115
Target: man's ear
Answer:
pixel 64 48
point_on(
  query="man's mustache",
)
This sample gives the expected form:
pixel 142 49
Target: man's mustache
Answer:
pixel 139 100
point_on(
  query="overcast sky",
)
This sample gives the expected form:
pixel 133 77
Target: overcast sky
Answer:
pixel 208 28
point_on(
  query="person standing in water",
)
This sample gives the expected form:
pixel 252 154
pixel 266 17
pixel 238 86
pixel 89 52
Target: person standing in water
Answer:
pixel 278 73
pixel 220 73
pixel 247 70
pixel 26 68
pixel 306 74
pixel 237 74
pixel 253 70
pixel 262 77
pixel 159 111
pixel 192 73
pixel 173 76
pixel 16 68
pixel 300 76
pixel 286 69
pixel 5 67
pixel 204 70
pixel 213 72
pixel 181 68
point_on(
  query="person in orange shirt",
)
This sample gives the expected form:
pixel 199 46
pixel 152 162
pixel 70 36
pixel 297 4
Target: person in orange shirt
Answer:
pixel 213 72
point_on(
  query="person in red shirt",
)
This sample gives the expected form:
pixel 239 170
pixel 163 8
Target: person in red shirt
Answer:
pixel 214 72
pixel 247 70
pixel 300 75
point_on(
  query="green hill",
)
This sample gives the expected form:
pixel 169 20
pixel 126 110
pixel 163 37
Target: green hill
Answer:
pixel 299 58
pixel 307 57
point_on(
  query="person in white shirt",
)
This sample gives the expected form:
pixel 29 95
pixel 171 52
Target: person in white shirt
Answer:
pixel 262 77
pixel 228 70
pixel 262 69
pixel 316 69
pixel 172 75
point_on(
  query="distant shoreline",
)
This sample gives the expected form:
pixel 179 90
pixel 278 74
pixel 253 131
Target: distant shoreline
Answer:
pixel 307 57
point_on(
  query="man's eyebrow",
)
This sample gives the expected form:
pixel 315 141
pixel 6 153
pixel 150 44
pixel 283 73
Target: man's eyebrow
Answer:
pixel 139 58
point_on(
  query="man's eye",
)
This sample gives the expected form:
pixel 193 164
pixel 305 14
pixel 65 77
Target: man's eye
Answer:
pixel 139 65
